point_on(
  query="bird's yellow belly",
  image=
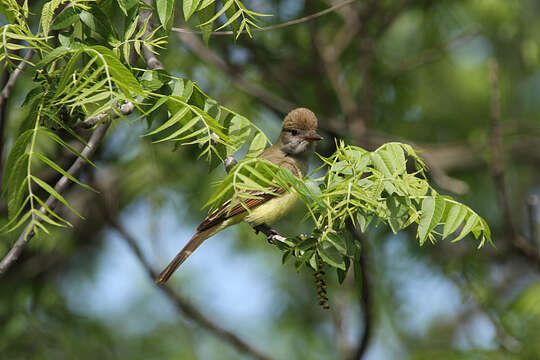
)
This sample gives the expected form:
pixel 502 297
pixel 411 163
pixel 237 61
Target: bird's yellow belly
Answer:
pixel 272 210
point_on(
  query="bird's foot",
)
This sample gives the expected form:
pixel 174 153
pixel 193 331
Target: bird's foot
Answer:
pixel 270 233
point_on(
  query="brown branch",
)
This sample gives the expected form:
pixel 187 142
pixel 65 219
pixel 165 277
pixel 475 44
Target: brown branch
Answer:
pixel 365 336
pixel 532 212
pixel 4 95
pixel 497 170
pixel 148 53
pixel 329 53
pixel 496 142
pixel 60 187
pixel 273 27
pixel 283 106
pixel 436 53
pixel 184 306
pixel 340 303
pixel 195 44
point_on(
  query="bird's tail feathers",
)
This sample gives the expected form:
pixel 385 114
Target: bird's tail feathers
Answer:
pixel 190 247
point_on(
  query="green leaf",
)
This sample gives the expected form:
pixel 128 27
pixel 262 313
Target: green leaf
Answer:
pixel 364 219
pixel 394 158
pixel 120 74
pixel 122 4
pixel 62 171
pixel 205 15
pixel 228 4
pixel 17 150
pixel 47 13
pixel 65 19
pixel 175 135
pixel 432 212
pixel 189 7
pixel 337 241
pixel 342 274
pixel 97 23
pixel 61 142
pixel 398 212
pixel 205 3
pixel 47 219
pixel 238 131
pixel 469 225
pixel 330 255
pixel 231 20
pixel 51 212
pixel 165 10
pixel 53 55
pixel 16 185
pixel 257 145
pixel 455 215
pixel 7 12
pixel 175 119
pixel 230 12
pixel 54 193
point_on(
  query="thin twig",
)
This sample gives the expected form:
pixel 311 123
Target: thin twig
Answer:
pixel 496 142
pixel 4 95
pixel 184 306
pixel 532 212
pixel 274 102
pixel 62 184
pixel 283 106
pixel 13 77
pixel 148 53
pixel 503 338
pixel 272 27
pixel 436 53
pixel 365 337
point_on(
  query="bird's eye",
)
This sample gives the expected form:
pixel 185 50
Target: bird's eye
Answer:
pixel 294 132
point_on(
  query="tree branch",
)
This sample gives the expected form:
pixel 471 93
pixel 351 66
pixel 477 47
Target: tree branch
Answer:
pixel 497 170
pixel 273 27
pixel 186 308
pixel 274 102
pixel 148 53
pixel 365 292
pixel 283 106
pixel 436 53
pixel 4 95
pixel 532 212
pixel 51 202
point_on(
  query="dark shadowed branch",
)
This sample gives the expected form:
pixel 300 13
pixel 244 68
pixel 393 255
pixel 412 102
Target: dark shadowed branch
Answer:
pixel 497 171
pixel 4 96
pixel 148 53
pixel 365 292
pixel 273 27
pixel 274 102
pixel 60 187
pixel 184 306
pixel 532 213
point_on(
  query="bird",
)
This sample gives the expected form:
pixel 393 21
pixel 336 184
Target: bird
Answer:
pixel 293 150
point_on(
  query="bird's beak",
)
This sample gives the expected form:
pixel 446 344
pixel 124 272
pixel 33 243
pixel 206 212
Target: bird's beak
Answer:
pixel 312 136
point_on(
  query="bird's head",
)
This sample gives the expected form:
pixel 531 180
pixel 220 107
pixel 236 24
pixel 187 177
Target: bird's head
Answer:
pixel 299 132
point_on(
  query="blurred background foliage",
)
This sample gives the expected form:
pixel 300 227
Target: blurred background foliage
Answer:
pixel 372 71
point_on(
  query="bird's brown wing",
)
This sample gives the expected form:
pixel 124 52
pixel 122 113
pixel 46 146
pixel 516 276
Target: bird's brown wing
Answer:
pixel 225 212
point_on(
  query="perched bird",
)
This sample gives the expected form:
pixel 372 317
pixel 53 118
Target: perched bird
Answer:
pixel 292 150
